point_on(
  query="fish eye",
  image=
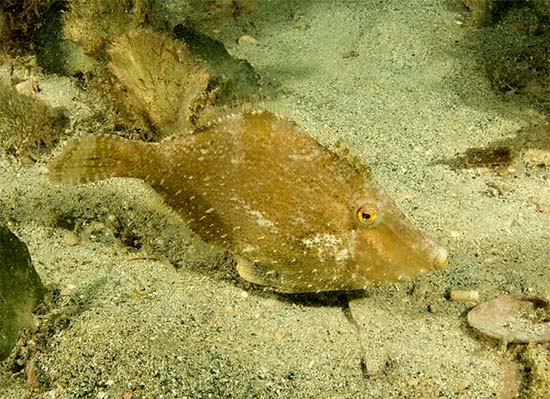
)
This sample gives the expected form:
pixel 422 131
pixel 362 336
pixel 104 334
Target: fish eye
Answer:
pixel 367 215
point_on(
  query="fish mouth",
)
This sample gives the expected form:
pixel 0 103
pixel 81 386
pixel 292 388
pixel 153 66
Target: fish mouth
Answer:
pixel 440 259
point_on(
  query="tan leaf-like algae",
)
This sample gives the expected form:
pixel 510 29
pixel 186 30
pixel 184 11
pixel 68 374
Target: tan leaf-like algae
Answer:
pixel 297 216
pixel 161 78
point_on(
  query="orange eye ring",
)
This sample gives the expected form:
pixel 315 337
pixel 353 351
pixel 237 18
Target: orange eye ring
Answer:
pixel 367 216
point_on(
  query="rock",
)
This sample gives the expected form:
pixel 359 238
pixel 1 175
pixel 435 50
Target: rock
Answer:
pixel 513 318
pixel 20 290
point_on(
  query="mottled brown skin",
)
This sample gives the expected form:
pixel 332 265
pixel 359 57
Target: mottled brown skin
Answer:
pixel 287 207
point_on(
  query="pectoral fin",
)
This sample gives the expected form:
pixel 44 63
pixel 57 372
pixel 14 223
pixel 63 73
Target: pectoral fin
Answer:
pixel 255 273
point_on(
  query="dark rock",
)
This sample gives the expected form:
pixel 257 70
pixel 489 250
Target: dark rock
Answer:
pixel 20 289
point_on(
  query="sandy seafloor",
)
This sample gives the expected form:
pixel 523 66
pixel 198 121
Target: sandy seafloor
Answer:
pixel 127 322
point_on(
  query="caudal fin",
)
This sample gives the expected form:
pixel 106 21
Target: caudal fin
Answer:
pixel 93 158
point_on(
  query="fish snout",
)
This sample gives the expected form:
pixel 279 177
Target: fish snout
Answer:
pixel 440 259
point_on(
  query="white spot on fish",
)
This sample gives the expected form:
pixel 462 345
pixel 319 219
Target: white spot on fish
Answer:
pixel 327 245
pixel 302 157
pixel 342 255
pixel 262 220
pixel 324 240
pixel 249 248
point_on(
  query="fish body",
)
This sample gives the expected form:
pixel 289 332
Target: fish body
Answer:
pixel 297 216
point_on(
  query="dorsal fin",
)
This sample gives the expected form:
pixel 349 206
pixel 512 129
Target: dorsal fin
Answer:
pixel 340 150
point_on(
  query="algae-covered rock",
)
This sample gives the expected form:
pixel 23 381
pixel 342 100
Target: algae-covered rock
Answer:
pixel 27 125
pixel 20 289
pixel 236 78
pixel 92 24
pixel 20 20
pixel 485 12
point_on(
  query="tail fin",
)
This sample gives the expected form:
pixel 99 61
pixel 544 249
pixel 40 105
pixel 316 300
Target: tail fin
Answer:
pixel 93 158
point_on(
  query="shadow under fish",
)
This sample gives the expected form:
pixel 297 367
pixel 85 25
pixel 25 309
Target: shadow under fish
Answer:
pixel 297 216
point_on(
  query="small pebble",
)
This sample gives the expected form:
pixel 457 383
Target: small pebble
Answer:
pixel 464 385
pixel 246 39
pixel 373 364
pixel 413 382
pixel 27 87
pixel 350 54
pixel 464 296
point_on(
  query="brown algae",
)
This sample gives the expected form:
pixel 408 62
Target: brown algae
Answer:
pixel 297 216
pixel 160 80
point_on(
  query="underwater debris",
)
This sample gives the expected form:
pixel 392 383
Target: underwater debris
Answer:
pixel 297 217
pixel 20 290
pixel 481 157
pixel 513 318
pixel 27 125
pixel 529 148
pixel 161 79
pixel 487 157
pixel 464 296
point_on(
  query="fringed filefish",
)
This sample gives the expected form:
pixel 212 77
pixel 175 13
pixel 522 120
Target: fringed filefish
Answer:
pixel 297 216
